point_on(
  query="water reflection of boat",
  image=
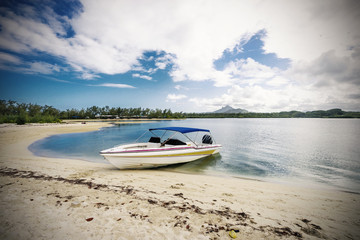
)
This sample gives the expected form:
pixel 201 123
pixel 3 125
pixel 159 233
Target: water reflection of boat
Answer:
pixel 168 145
pixel 198 166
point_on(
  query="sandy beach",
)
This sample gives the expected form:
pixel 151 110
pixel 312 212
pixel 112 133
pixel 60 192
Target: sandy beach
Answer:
pixel 50 198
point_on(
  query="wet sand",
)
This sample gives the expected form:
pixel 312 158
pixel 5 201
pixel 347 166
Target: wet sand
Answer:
pixel 48 198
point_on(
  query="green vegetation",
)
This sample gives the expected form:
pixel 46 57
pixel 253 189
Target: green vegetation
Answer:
pixel 118 112
pixel 21 113
pixel 333 113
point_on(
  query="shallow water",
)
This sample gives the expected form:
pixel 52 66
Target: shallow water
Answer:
pixel 316 152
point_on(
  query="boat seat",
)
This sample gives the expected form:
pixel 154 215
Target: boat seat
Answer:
pixel 206 139
pixel 154 140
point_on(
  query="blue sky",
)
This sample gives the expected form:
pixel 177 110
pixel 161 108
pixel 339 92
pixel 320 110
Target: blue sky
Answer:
pixel 190 56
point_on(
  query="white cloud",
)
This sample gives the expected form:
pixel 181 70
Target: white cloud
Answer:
pixel 244 71
pixel 310 28
pixel 193 33
pixel 43 68
pixel 88 76
pixel 137 75
pixel 194 30
pixel 328 69
pixel 261 98
pixel 180 87
pixel 277 81
pixel 58 80
pixel 321 38
pixel 113 85
pixel 27 35
pixel 257 99
pixel 175 97
pixel 163 61
pixel 9 59
pixel 327 82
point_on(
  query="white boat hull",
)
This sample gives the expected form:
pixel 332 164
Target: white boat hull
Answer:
pixel 130 157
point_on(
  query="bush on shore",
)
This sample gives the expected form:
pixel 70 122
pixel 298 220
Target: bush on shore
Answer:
pixel 24 118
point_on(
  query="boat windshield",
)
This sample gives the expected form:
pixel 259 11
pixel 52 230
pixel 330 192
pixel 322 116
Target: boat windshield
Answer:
pixel 173 141
pixel 171 136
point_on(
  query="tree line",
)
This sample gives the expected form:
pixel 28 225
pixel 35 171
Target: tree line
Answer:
pixel 332 113
pixel 21 113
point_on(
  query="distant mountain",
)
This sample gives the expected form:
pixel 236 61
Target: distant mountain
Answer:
pixel 229 109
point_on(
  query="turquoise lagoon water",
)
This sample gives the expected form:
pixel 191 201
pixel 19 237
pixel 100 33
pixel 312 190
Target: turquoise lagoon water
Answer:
pixel 313 152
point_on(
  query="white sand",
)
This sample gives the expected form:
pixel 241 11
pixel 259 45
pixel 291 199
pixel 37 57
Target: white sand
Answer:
pixel 47 198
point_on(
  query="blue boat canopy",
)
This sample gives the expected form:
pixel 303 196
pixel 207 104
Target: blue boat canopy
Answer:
pixel 181 129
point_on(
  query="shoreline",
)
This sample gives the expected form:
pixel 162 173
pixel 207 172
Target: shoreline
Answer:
pixel 61 198
pixel 111 122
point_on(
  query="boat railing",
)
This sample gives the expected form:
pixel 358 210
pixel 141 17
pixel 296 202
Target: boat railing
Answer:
pixel 205 140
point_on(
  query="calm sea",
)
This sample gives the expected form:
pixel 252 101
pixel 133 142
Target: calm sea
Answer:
pixel 312 152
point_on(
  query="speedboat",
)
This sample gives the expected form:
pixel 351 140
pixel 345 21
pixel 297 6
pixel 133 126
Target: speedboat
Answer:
pixel 164 146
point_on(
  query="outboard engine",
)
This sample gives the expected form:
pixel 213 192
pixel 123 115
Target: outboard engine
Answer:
pixel 206 139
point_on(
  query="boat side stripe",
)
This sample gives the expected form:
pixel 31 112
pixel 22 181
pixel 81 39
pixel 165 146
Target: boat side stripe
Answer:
pixel 163 149
pixel 208 152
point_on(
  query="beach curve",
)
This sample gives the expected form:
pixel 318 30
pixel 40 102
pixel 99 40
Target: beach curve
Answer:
pixel 50 198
